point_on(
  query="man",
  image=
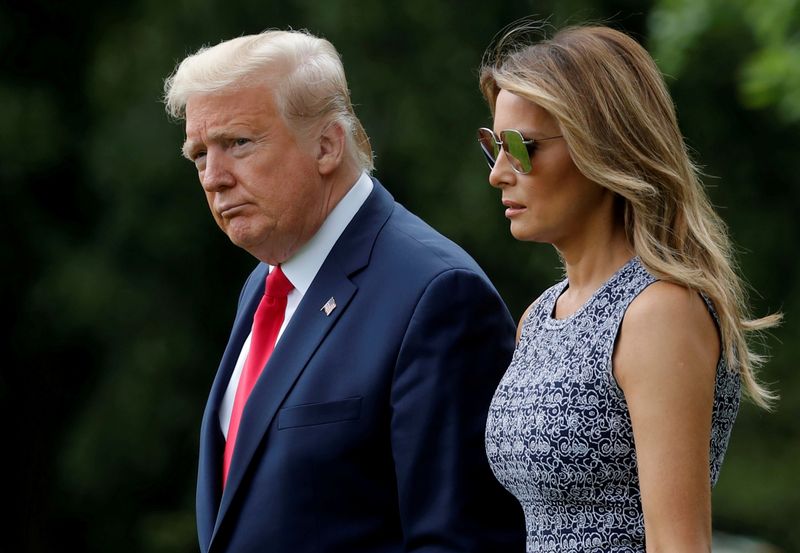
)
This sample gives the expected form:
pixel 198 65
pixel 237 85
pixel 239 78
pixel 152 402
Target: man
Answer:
pixel 362 430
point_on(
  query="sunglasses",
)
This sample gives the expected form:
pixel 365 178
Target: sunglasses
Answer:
pixel 518 149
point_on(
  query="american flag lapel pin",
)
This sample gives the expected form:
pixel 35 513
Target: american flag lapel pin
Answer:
pixel 329 306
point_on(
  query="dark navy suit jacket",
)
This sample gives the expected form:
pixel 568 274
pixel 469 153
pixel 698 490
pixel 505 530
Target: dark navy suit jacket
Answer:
pixel 365 431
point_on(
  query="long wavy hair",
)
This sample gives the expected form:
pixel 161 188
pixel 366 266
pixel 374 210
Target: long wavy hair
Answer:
pixel 619 121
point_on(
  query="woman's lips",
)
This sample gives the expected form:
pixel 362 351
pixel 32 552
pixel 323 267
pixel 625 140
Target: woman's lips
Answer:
pixel 513 208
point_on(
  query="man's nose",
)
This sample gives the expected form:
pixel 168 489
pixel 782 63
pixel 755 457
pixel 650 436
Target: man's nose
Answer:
pixel 216 172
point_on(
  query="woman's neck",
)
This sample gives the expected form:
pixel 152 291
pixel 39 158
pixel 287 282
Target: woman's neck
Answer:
pixel 589 263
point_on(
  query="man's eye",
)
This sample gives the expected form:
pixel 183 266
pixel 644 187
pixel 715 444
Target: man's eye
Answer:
pixel 240 141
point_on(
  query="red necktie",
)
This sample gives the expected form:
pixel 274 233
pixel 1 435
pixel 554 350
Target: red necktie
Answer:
pixel 266 324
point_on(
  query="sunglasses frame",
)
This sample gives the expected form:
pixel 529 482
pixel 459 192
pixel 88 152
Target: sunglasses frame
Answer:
pixel 521 166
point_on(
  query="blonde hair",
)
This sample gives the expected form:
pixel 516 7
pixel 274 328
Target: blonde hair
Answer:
pixel 304 72
pixel 619 122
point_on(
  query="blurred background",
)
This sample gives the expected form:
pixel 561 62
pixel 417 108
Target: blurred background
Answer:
pixel 120 289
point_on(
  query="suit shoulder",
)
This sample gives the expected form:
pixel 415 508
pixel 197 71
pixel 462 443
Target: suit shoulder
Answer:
pixel 421 247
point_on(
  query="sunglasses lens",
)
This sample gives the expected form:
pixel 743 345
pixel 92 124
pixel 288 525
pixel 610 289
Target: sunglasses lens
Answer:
pixel 512 142
pixel 517 151
pixel 488 146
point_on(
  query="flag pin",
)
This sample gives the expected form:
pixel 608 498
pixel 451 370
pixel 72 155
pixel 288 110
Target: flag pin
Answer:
pixel 329 306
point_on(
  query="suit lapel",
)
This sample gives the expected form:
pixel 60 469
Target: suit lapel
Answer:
pixel 212 441
pixel 302 337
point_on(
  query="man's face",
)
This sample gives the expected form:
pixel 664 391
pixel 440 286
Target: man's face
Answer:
pixel 262 183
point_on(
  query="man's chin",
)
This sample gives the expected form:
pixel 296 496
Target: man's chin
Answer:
pixel 259 251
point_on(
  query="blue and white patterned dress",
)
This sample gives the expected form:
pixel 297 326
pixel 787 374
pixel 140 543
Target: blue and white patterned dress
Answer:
pixel 559 434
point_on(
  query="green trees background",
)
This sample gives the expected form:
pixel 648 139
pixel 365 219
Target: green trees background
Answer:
pixel 120 289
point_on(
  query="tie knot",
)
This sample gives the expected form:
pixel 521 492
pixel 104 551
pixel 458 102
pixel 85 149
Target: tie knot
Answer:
pixel 278 286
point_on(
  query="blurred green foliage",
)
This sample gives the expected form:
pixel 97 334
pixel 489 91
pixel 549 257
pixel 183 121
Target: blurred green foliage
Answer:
pixel 769 73
pixel 121 289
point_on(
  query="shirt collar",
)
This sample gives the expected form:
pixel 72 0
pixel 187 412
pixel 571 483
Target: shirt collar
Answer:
pixel 302 267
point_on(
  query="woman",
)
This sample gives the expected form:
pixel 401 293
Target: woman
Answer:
pixel 612 420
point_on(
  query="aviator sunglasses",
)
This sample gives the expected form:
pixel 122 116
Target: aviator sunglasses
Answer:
pixel 518 149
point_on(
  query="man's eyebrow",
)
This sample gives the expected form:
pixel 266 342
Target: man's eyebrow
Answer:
pixel 215 136
pixel 188 148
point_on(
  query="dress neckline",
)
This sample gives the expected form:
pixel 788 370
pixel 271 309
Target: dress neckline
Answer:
pixel 552 322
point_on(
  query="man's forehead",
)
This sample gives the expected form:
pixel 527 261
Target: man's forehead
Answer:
pixel 208 111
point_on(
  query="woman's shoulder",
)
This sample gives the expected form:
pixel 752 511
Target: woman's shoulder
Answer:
pixel 667 332
pixel 667 304
pixel 544 298
pixel 525 316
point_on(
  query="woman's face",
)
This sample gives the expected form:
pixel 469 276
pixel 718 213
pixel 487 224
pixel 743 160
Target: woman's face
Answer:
pixel 553 203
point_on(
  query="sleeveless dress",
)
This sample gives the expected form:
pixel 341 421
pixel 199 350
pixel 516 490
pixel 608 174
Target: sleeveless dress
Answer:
pixel 559 434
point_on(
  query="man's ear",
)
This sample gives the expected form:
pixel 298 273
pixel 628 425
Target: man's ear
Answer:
pixel 331 148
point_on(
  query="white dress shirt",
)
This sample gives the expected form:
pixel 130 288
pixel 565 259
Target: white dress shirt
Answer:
pixel 301 269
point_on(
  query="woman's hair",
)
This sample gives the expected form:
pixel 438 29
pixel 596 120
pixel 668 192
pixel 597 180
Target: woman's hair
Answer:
pixel 304 72
pixel 619 122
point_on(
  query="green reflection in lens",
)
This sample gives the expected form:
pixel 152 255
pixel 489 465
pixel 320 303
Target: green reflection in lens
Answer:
pixel 518 150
